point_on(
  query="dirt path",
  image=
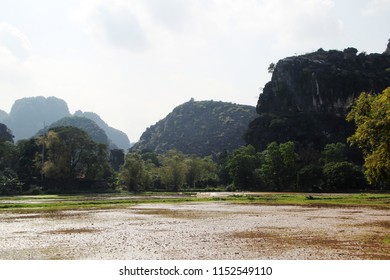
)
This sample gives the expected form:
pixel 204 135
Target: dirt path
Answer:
pixel 198 231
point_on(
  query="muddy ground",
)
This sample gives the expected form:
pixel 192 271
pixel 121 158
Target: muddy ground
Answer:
pixel 198 231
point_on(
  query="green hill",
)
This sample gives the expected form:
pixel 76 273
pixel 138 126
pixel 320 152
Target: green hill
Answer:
pixel 117 137
pixel 97 134
pixel 199 127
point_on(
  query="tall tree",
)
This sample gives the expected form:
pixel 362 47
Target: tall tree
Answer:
pixel 133 173
pixel 173 170
pixel 72 154
pixel 241 166
pixel 371 114
pixel 9 181
pixel 335 152
pixel 200 170
pixel 5 133
pixel 28 150
pixel 279 165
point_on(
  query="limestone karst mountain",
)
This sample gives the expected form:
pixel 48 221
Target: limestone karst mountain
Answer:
pixel 199 127
pixel 29 115
pixel 309 95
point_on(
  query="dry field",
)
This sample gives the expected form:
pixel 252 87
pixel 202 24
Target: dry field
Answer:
pixel 212 230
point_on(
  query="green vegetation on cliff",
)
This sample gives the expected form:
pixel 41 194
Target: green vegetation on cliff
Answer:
pixel 199 127
pixel 89 126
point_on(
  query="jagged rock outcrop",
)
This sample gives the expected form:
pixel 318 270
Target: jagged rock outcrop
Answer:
pixel 199 127
pixel 308 97
pixel 118 138
pixel 387 51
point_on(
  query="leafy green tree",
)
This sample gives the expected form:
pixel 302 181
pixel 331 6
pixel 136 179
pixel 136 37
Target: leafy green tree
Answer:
pixel 371 114
pixel 241 166
pixel 133 173
pixel 310 178
pixel 290 163
pixel 96 163
pixel 335 152
pixel 9 182
pixel 117 158
pixel 279 166
pixel 8 155
pixel 271 68
pixel 150 157
pixel 272 166
pixel 28 150
pixel 194 171
pixel 5 133
pixel 340 176
pixel 72 154
pixel 173 170
pixel 199 171
pixel 221 160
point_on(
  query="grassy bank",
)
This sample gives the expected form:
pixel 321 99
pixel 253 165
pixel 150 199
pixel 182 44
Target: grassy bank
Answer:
pixel 94 201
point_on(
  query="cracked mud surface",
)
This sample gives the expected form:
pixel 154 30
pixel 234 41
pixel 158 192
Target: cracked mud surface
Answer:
pixel 197 231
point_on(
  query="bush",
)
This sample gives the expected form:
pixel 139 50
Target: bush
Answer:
pixel 35 190
pixel 9 183
pixel 310 178
pixel 341 176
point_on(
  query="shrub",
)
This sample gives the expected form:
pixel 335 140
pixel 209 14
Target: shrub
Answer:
pixel 341 176
pixel 9 183
pixel 310 178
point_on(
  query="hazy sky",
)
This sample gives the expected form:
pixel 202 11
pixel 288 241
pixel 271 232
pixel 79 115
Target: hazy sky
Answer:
pixel 133 61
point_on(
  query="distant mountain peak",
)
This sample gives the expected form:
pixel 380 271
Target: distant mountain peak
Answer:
pixel 118 138
pixel 97 134
pixel 30 114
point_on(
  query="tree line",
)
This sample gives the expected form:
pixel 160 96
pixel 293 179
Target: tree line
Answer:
pixel 66 159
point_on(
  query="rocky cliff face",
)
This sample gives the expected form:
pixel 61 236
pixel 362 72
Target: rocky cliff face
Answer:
pixel 308 97
pixel 199 127
pixel 387 51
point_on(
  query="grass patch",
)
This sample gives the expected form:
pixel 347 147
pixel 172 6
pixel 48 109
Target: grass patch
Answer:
pixel 107 201
pixel 346 200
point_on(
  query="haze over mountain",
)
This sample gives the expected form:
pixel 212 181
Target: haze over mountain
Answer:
pixel 3 115
pixel 199 127
pixel 29 115
pixel 118 137
pixel 308 97
pixel 94 131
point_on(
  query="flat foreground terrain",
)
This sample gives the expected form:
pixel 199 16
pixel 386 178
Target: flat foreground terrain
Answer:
pixel 198 230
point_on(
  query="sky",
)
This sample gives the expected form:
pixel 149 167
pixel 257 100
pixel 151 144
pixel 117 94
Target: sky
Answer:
pixel 133 61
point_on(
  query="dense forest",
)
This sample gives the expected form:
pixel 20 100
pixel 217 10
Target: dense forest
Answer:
pixel 323 125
